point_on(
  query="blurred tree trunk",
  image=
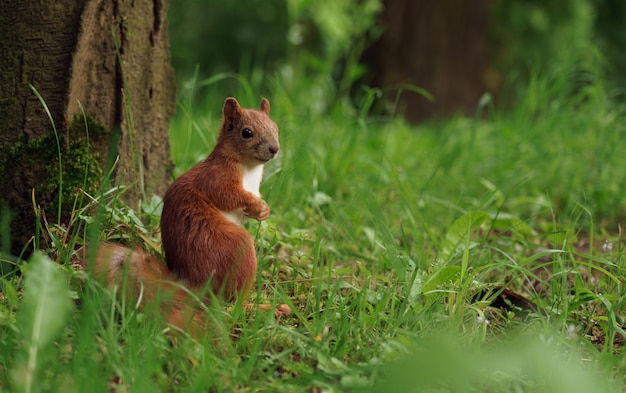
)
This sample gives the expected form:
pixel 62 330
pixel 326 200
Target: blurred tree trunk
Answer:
pixel 439 46
pixel 66 49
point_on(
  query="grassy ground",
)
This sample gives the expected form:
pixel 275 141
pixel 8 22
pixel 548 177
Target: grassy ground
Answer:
pixel 461 255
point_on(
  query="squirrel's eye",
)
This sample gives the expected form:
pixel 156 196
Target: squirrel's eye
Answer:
pixel 246 133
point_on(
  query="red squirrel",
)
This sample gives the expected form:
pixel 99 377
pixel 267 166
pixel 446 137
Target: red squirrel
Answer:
pixel 201 223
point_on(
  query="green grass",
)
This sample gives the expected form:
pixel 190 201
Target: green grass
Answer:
pixel 389 242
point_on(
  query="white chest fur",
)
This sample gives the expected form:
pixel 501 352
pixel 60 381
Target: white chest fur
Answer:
pixel 252 183
pixel 252 179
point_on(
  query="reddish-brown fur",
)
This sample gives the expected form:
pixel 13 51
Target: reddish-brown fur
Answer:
pixel 202 246
pixel 144 274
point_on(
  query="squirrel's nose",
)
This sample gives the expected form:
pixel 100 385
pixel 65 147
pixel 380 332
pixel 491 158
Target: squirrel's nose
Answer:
pixel 273 149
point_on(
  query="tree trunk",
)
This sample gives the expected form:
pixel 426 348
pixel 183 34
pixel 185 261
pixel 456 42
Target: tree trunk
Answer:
pixel 439 46
pixel 70 52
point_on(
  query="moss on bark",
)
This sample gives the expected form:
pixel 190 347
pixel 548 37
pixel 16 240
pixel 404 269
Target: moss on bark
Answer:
pixel 126 84
pixel 33 164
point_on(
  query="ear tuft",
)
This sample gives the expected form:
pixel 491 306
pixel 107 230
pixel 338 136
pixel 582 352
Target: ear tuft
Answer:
pixel 265 106
pixel 231 108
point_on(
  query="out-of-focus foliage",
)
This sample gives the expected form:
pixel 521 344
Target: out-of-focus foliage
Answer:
pixel 227 36
pixel 234 37
pixel 609 24
pixel 316 44
pixel 526 34
pixel 308 48
pixel 536 37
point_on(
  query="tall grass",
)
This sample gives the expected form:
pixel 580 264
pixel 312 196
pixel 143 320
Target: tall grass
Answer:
pixel 392 244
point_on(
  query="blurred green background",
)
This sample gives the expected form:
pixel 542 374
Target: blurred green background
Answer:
pixel 322 49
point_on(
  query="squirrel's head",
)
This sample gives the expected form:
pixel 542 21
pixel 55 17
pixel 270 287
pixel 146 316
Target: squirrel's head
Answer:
pixel 249 133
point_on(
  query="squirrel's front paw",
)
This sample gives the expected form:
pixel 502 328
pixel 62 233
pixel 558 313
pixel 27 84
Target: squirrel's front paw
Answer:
pixel 260 212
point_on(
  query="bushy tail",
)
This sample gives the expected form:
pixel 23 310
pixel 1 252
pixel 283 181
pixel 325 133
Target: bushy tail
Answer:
pixel 143 277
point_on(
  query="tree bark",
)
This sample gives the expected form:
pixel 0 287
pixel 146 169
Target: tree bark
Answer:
pixel 107 59
pixel 439 46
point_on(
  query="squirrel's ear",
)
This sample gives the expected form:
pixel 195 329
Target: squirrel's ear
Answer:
pixel 231 108
pixel 265 106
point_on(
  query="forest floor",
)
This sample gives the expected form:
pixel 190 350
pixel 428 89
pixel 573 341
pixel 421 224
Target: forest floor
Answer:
pixel 477 254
